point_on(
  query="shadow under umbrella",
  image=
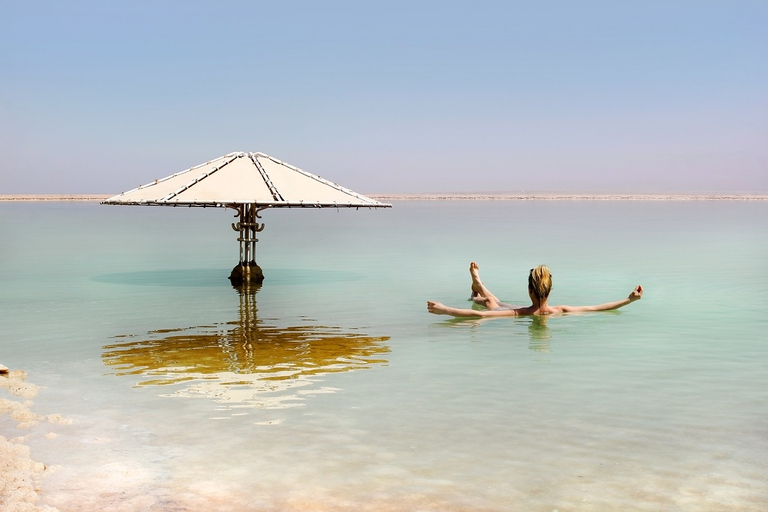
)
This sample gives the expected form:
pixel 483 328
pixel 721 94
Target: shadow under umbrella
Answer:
pixel 245 363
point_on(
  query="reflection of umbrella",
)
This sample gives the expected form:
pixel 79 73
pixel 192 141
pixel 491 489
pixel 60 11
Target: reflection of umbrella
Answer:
pixel 245 361
pixel 248 183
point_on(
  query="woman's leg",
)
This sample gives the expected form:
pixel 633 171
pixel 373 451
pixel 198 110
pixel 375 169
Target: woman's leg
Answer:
pixel 481 294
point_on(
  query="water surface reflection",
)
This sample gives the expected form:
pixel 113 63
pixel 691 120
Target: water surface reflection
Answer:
pixel 245 362
pixel 539 333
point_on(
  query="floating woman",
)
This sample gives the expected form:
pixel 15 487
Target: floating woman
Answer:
pixel 539 286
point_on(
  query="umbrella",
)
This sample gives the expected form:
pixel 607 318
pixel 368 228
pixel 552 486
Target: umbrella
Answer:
pixel 248 183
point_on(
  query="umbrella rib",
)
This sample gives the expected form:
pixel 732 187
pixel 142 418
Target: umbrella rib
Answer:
pixel 271 186
pixel 320 179
pixel 197 180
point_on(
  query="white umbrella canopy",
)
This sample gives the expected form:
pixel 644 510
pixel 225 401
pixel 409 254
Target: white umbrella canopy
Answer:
pixel 248 183
pixel 245 178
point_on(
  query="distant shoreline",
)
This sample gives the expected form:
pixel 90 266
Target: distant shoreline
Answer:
pixel 53 197
pixel 451 197
pixel 577 197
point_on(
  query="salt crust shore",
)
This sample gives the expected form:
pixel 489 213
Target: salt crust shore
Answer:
pixel 457 197
pixel 19 473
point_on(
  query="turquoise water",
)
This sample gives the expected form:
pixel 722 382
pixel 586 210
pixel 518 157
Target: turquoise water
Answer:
pixel 331 388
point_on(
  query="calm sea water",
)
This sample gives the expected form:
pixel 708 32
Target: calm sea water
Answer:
pixel 331 388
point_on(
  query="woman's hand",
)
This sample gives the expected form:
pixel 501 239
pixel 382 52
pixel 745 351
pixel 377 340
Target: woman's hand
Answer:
pixel 436 308
pixel 636 294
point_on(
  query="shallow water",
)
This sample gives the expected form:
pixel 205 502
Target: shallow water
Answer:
pixel 331 388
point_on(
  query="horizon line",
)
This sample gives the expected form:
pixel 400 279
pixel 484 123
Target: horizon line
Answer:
pixel 457 196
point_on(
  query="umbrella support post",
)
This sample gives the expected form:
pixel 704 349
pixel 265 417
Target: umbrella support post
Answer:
pixel 247 271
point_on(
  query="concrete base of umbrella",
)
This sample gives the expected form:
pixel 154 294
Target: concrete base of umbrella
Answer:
pixel 248 272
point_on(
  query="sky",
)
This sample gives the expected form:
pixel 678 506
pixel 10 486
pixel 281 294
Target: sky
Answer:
pixel 388 97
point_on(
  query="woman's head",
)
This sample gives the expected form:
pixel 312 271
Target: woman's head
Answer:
pixel 540 282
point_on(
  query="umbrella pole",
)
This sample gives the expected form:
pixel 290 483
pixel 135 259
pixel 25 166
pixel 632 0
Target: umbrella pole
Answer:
pixel 247 271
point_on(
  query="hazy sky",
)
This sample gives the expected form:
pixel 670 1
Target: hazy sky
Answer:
pixel 391 96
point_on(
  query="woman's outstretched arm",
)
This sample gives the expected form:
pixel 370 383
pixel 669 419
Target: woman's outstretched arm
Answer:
pixel 636 294
pixel 438 308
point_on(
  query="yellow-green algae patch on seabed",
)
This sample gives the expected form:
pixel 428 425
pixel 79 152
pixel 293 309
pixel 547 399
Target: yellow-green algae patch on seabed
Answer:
pixel 19 473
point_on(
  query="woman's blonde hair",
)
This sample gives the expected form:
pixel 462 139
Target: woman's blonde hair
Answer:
pixel 540 282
